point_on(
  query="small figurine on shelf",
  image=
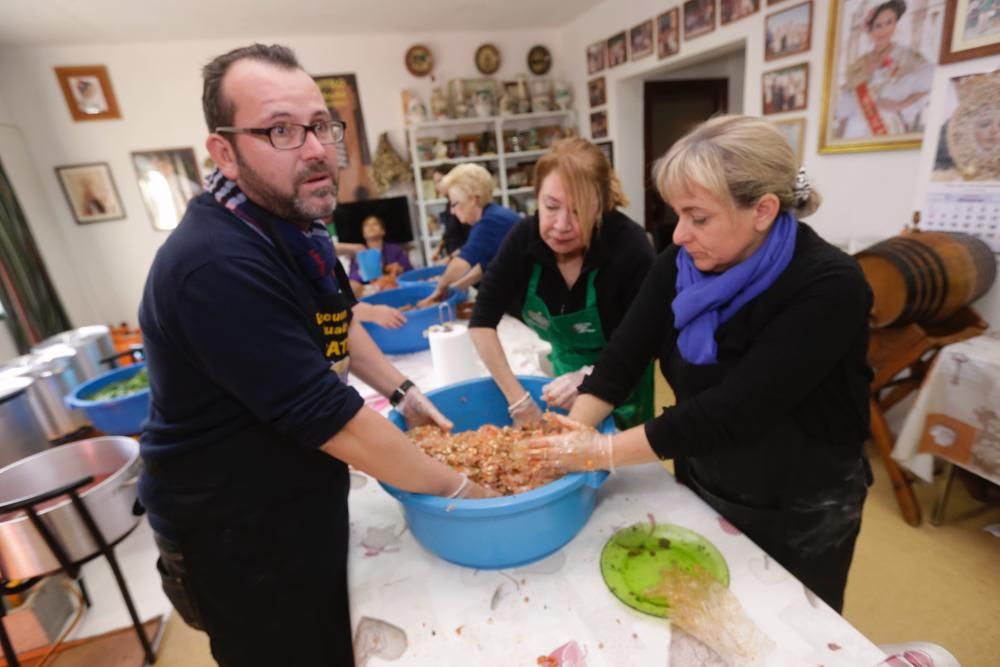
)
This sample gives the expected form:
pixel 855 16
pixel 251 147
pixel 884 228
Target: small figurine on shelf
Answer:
pixel 483 104
pixel 439 105
pixel 440 150
pixel 487 144
pixel 416 112
pixel 515 143
pixel 541 95
pixel 533 143
pixel 563 96
pixel 506 105
pixel 523 97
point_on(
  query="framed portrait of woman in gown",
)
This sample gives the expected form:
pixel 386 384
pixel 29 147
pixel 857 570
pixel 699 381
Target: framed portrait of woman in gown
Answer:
pixel 880 62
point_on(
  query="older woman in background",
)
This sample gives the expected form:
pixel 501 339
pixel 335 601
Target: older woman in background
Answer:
pixel 569 273
pixel 761 328
pixel 470 197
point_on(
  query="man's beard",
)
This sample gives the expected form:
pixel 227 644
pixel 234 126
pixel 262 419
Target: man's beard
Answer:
pixel 290 207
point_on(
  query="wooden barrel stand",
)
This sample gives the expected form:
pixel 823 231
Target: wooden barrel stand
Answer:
pixel 922 285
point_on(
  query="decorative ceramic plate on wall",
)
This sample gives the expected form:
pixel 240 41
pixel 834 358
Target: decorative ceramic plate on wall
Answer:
pixel 419 60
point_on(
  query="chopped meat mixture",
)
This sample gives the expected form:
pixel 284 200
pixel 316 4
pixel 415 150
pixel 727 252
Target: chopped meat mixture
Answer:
pixel 487 456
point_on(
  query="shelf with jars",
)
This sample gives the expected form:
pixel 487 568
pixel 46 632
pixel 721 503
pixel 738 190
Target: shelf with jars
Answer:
pixel 507 145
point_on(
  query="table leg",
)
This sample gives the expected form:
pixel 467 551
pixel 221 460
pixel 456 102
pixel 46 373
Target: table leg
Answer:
pixel 882 437
pixel 937 514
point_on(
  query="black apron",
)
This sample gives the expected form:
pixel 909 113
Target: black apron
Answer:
pixel 810 531
pixel 278 575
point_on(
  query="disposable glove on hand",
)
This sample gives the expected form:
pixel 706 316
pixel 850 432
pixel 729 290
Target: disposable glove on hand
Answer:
pixel 578 450
pixel 524 411
pixel 470 490
pixel 561 392
pixel 418 410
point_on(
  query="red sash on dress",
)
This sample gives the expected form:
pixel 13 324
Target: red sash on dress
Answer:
pixel 870 109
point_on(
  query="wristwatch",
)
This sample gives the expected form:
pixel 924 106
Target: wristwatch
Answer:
pixel 399 392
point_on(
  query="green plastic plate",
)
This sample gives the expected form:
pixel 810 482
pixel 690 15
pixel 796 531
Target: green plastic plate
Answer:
pixel 634 558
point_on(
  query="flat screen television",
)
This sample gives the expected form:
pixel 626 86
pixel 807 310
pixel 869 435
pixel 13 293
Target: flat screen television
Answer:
pixel 393 211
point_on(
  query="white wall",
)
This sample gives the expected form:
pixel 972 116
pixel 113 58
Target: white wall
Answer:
pixel 158 87
pixel 866 195
pixel 66 269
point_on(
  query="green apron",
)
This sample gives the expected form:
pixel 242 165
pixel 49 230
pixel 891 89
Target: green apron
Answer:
pixel 577 340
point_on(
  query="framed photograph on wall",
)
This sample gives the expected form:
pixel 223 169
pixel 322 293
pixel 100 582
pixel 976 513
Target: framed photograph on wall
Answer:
pixel 599 125
pixel 699 18
pixel 617 50
pixel 879 70
pixel 788 32
pixel 168 178
pixel 597 55
pixel 785 89
pixel 88 93
pixel 971 30
pixel 597 92
pixel 640 40
pixel 668 33
pixel 91 192
pixel 794 131
pixel 608 148
pixel 734 10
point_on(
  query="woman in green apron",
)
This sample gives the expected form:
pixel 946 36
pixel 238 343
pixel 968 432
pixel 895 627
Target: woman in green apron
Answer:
pixel 569 273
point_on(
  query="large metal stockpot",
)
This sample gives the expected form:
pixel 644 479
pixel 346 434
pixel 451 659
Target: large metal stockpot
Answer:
pixel 20 433
pixel 92 344
pixel 55 375
pixel 23 552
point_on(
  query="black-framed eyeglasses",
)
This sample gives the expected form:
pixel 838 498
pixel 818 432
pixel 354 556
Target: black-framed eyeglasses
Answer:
pixel 289 136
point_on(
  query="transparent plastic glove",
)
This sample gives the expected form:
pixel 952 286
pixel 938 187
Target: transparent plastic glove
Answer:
pixel 524 411
pixel 578 450
pixel 387 316
pixel 561 392
pixel 468 489
pixel 418 410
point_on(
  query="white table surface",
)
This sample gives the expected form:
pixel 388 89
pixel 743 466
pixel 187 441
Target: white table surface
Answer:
pixel 411 607
pixel 957 412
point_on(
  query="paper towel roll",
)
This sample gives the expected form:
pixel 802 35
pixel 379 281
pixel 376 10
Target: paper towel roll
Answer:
pixel 452 354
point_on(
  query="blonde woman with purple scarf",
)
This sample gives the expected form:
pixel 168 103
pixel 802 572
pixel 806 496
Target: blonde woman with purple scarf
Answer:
pixel 761 329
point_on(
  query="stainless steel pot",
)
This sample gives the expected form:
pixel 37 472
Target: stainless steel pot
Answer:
pixel 92 344
pixel 23 552
pixel 55 375
pixel 20 433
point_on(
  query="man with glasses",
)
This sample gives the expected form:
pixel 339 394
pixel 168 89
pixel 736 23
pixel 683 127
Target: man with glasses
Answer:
pixel 246 317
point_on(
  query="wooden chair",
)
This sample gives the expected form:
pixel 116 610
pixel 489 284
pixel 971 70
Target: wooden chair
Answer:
pixel 892 352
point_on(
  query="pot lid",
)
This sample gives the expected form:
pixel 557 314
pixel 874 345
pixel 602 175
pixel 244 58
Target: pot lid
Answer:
pixel 11 387
pixel 75 337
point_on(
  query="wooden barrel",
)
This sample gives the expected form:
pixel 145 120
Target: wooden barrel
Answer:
pixel 926 276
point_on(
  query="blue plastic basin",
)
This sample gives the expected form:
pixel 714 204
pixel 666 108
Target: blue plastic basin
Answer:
pixel 497 532
pixel 118 416
pixel 421 276
pixel 409 337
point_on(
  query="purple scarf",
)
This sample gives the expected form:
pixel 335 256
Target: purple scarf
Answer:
pixel 705 300
pixel 312 250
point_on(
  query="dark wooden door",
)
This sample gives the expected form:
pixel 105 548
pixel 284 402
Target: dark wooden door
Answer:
pixel 671 110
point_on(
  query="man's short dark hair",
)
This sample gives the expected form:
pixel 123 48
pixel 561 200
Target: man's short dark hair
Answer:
pixel 219 111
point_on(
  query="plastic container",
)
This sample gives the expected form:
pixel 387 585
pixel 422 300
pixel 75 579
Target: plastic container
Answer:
pixel 411 336
pixel 503 532
pixel 423 276
pixel 369 264
pixel 117 416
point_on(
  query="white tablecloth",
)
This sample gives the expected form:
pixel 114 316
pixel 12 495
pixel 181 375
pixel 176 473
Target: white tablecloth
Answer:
pixel 411 606
pixel 957 412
